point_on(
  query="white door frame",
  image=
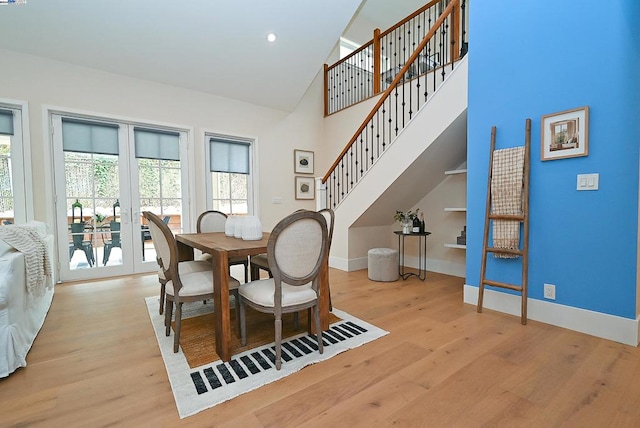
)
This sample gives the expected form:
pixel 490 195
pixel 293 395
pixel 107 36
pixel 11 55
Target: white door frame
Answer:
pixel 129 202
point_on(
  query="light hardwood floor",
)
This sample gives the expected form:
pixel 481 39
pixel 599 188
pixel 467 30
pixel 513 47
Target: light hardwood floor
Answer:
pixel 96 363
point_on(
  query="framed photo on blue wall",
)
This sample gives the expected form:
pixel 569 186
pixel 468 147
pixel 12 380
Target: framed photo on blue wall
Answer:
pixel 565 134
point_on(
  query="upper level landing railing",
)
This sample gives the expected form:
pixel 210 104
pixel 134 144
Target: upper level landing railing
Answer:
pixel 370 69
pixel 407 88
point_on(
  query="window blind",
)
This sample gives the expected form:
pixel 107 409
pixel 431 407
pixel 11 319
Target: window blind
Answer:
pixel 89 137
pixel 155 144
pixel 229 156
pixel 6 122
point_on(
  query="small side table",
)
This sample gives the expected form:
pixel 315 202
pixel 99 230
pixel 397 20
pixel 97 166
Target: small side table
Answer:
pixel 422 254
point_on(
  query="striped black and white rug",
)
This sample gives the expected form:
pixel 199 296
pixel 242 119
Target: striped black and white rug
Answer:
pixel 197 389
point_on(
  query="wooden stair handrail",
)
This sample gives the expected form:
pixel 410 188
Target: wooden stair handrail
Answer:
pixel 410 17
pixel 392 85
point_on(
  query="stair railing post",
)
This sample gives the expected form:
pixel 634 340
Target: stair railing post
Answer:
pixel 321 194
pixel 326 90
pixel 456 25
pixel 377 59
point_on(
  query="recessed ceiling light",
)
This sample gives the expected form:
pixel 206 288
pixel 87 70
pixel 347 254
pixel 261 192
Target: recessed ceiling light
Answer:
pixel 271 37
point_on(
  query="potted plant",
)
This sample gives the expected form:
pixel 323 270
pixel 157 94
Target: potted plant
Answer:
pixel 99 219
pixel 406 219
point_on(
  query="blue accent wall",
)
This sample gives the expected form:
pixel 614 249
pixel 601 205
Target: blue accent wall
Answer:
pixel 534 57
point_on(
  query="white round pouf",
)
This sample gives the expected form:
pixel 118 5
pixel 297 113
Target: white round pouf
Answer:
pixel 383 264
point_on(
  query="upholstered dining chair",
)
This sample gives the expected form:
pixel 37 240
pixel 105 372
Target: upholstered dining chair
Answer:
pixel 214 221
pixel 180 287
pixel 296 250
pixel 184 267
pixel 260 262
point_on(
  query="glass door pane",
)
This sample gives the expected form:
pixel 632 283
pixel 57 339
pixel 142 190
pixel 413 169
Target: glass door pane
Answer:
pixel 93 199
pixel 161 193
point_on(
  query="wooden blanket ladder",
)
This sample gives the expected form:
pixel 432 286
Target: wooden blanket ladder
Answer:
pixel 523 218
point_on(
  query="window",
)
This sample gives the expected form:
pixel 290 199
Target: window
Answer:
pixel 6 187
pixel 230 167
pixel 159 173
pixel 15 206
pixel 347 47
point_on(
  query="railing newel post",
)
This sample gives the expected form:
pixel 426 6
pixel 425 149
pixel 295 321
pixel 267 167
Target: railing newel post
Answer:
pixel 326 90
pixel 377 59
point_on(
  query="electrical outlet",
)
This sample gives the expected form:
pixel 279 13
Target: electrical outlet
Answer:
pixel 550 291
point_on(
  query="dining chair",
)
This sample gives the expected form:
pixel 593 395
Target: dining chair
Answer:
pixel 180 286
pixel 146 235
pixel 184 267
pixel 260 261
pixel 214 221
pixel 78 230
pixel 297 249
pixel 79 243
pixel 112 241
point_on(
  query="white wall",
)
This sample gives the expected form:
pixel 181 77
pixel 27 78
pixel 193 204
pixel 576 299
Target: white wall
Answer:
pixel 42 82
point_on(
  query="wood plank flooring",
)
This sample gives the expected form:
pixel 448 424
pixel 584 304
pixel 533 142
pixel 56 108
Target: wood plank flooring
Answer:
pixel 96 363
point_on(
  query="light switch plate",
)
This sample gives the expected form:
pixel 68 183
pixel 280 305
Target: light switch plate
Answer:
pixel 588 181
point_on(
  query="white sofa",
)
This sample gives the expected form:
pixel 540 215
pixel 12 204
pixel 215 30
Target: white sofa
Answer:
pixel 22 314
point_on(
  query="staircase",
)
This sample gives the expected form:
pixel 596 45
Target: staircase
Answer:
pixel 434 141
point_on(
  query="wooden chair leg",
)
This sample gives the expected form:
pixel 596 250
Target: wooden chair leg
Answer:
pixel 176 337
pixel 167 316
pixel 316 313
pixel 255 273
pixel 163 286
pixel 243 324
pixel 236 296
pixel 278 328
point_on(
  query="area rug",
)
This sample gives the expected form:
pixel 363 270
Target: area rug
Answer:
pixel 202 387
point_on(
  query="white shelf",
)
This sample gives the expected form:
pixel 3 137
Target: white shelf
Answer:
pixel 462 210
pixel 456 171
pixel 462 247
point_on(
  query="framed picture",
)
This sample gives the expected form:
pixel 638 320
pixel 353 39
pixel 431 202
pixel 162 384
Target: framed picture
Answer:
pixel 565 134
pixel 305 188
pixel 302 162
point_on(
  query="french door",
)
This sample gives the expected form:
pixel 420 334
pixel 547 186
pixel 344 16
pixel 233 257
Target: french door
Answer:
pixel 107 173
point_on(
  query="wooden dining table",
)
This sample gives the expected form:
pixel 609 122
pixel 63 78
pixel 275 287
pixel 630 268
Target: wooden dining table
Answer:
pixel 221 247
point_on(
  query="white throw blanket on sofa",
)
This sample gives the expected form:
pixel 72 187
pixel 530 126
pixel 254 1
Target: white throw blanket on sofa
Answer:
pixel 28 241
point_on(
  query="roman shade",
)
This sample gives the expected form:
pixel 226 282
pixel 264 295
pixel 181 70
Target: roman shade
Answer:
pixel 229 156
pixel 155 144
pixel 6 122
pixel 89 137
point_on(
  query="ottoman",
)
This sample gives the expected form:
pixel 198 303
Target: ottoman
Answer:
pixel 383 264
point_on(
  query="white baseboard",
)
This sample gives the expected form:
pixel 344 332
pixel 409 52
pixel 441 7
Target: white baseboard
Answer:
pixel 447 268
pixel 440 266
pixel 611 327
pixel 348 265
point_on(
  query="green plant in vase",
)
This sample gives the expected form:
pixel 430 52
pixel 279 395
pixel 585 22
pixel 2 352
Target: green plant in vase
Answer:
pixel 406 219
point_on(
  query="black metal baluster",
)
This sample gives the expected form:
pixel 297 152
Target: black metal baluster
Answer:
pixel 464 47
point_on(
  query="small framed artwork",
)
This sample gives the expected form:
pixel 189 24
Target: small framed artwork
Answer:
pixel 565 134
pixel 305 188
pixel 303 162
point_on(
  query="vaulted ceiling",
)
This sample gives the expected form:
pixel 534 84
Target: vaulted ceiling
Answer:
pixel 212 46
